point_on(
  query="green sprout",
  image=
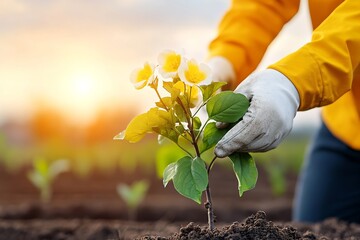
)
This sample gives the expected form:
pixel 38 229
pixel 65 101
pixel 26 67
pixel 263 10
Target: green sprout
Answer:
pixel 176 117
pixel 43 174
pixel 133 195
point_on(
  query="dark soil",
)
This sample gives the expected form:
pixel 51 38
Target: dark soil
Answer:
pixel 89 209
pixel 257 227
pixel 254 227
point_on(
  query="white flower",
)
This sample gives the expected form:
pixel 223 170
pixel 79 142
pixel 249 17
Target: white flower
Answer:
pixel 169 62
pixel 193 73
pixel 142 76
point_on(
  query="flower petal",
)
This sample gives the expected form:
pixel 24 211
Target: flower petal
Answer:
pixel 141 76
pixel 193 73
pixel 169 62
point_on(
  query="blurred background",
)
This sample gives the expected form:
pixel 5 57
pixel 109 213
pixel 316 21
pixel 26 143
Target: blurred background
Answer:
pixel 65 90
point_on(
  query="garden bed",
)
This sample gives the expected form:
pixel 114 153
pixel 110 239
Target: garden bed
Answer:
pixel 89 208
pixel 254 227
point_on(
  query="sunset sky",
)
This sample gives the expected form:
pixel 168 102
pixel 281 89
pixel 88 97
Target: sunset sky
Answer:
pixel 76 56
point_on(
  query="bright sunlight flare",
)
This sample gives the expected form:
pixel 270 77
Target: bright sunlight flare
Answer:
pixel 83 84
pixel 82 95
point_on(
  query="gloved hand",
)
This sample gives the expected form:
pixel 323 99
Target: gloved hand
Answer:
pixel 274 101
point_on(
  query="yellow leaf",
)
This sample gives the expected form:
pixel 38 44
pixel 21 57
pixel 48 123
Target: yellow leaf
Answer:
pixel 159 118
pixel 144 123
pixel 137 128
pixel 166 102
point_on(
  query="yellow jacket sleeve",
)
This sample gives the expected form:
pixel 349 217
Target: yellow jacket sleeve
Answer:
pixel 247 29
pixel 323 70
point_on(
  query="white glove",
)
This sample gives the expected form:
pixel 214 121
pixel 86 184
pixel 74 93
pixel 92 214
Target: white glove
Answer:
pixel 274 101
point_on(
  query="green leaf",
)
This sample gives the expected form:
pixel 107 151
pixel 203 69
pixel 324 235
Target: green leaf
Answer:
pixel 57 167
pixel 199 173
pixel 276 177
pixel 209 90
pixel 41 166
pixel 165 155
pixel 189 178
pixel 245 170
pixel 179 112
pixel 169 173
pixel 196 123
pixel 180 128
pixel 37 179
pixel 227 107
pixel 134 194
pixel 211 137
pixel 168 133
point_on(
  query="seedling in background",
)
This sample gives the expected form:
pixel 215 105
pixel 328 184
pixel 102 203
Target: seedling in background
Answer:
pixel 133 195
pixel 43 175
pixel 189 88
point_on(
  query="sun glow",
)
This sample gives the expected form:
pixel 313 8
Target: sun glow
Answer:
pixel 83 84
pixel 83 97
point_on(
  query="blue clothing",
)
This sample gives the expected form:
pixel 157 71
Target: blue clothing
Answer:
pixel 329 185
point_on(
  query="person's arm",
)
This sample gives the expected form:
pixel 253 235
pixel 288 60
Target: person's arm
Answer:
pixel 245 32
pixel 322 70
pixel 315 75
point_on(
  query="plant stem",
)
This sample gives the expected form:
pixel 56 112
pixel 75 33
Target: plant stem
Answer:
pixel 195 143
pixel 158 94
pixel 208 204
pixel 199 109
pixel 45 194
pixel 211 164
pixel 210 210
pixel 202 129
pixel 189 101
pixel 181 134
pixel 182 148
pixel 132 213
pixel 190 126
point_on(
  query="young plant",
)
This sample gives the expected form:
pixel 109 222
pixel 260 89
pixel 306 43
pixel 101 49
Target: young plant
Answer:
pixel 133 195
pixel 43 175
pixel 189 88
